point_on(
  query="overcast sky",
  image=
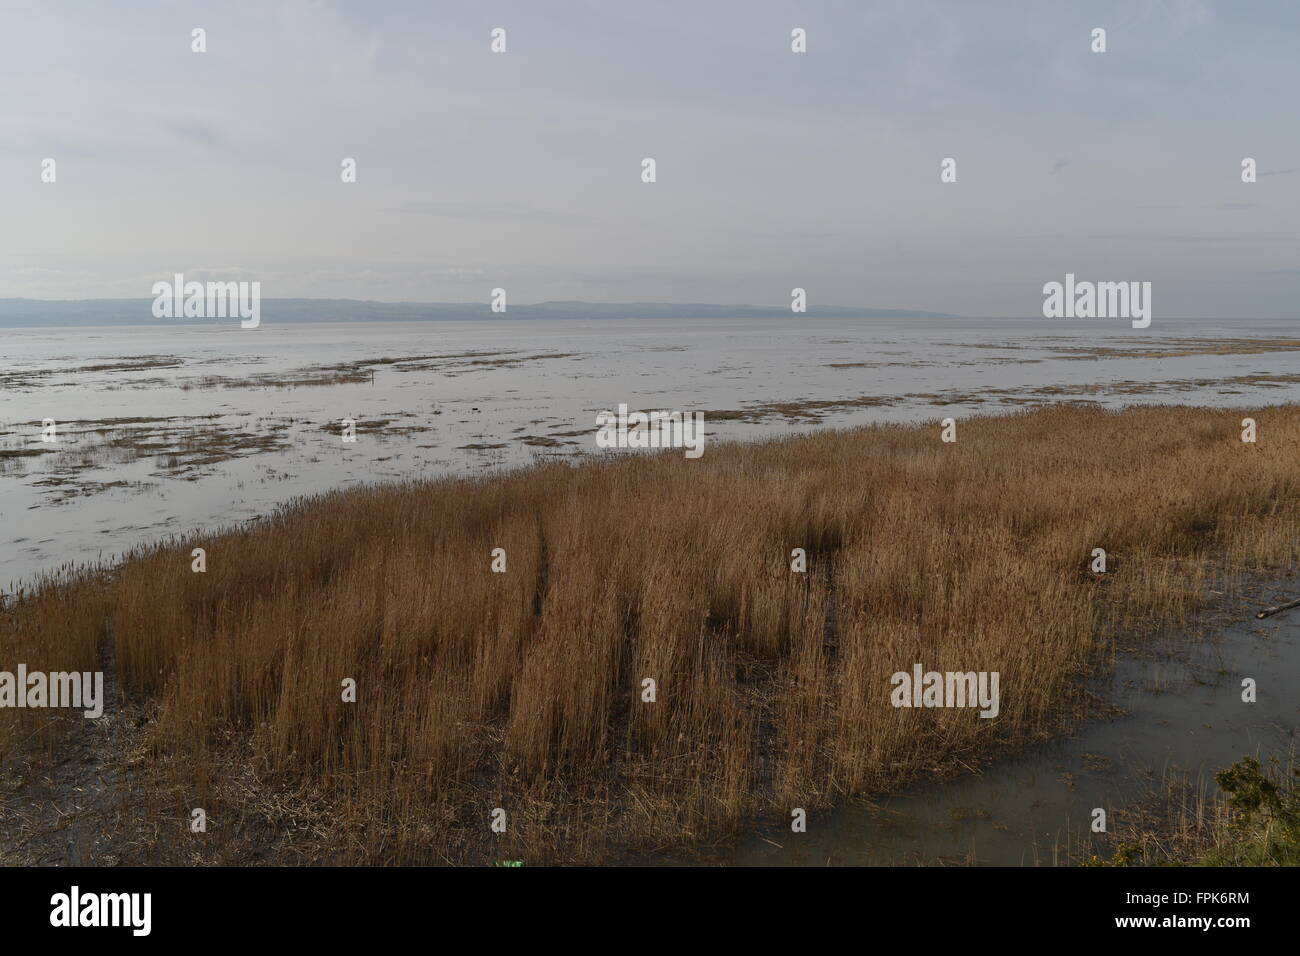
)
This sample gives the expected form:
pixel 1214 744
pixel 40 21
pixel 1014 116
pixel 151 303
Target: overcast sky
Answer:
pixel 775 169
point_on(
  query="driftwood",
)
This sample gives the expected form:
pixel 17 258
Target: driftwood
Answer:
pixel 1270 611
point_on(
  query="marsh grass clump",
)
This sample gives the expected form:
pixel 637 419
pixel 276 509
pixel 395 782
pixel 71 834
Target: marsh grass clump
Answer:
pixel 1253 820
pixel 524 690
pixel 1264 827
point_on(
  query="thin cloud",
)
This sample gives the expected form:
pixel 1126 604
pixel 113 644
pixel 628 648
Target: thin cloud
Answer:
pixel 488 211
pixel 193 131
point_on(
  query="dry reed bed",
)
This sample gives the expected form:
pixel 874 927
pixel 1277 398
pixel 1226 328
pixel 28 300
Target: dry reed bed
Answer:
pixel 522 690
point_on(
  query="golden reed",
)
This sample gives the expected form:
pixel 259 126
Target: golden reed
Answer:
pixel 523 690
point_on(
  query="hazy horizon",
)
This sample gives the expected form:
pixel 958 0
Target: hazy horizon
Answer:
pixel 23 312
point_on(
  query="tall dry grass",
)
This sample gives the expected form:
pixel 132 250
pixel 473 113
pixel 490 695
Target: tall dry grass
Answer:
pixel 522 690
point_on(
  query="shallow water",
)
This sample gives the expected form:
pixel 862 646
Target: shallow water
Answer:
pixel 458 413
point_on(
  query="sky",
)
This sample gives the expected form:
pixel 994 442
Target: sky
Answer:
pixel 775 169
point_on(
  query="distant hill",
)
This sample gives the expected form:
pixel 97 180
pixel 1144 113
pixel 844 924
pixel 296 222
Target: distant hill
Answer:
pixel 27 313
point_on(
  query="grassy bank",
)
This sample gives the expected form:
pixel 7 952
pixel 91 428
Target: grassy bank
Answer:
pixel 1252 820
pixel 524 690
pixel 1262 826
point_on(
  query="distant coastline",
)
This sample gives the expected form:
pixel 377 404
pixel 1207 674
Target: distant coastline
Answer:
pixel 61 313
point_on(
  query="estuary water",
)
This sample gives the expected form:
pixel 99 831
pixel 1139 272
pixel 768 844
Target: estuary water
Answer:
pixel 164 429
